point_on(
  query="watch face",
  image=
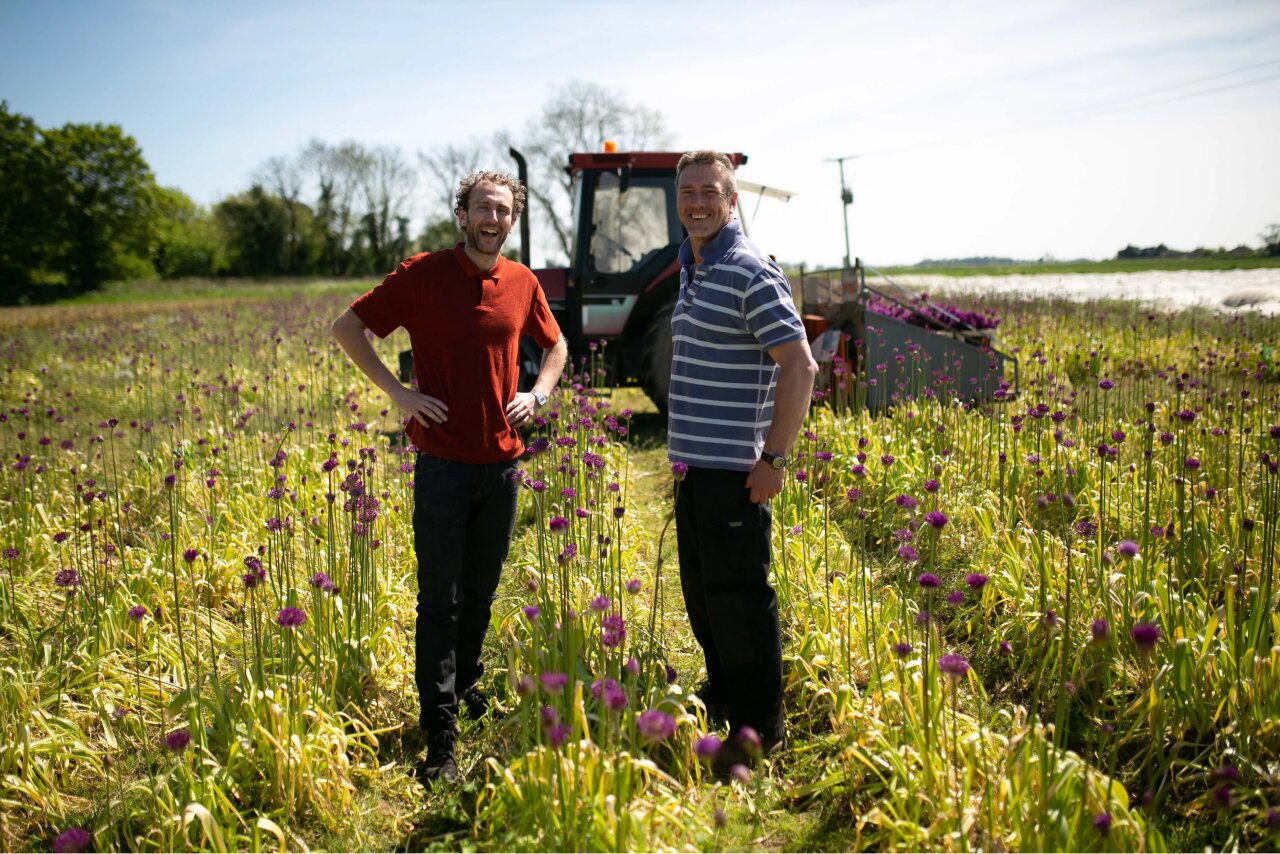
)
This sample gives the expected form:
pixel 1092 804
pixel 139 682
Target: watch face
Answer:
pixel 779 462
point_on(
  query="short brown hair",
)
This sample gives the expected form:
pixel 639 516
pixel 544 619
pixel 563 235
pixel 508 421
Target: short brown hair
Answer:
pixel 497 178
pixel 708 157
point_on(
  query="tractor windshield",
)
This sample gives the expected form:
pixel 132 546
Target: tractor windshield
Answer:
pixel 628 228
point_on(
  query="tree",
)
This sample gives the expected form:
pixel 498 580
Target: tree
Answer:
pixel 29 208
pixel 106 197
pixel 338 171
pixel 387 185
pixel 445 166
pixel 284 177
pixel 439 235
pixel 189 241
pixel 1270 238
pixel 255 224
pixel 579 117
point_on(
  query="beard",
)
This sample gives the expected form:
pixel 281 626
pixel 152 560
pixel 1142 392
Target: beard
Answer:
pixel 476 241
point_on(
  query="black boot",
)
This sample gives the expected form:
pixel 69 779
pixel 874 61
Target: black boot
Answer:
pixel 441 763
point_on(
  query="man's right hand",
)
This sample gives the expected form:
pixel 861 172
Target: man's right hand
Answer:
pixel 421 406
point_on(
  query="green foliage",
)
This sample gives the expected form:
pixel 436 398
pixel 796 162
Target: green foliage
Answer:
pixel 256 226
pixel 80 207
pixel 440 234
pixel 188 242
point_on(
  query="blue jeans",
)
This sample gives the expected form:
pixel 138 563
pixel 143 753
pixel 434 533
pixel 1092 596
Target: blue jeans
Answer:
pixel 463 517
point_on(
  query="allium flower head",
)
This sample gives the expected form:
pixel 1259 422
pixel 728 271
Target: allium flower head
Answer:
pixel 71 840
pixel 600 603
pixel 290 618
pixel 902 649
pixel 936 519
pixel 1101 630
pixel 557 735
pixel 707 746
pixel 1102 823
pixel 955 597
pixel 68 579
pixel 633 585
pixel 137 612
pixel 531 612
pixel 178 740
pixel 1145 636
pixel 976 581
pixel 553 681
pixel 679 470
pixel 954 666
pixel 928 580
pixel 908 554
pixel 558 523
pixel 1127 548
pixel 906 502
pixel 654 725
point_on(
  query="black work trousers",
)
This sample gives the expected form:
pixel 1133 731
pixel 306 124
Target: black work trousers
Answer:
pixel 723 542
pixel 463 516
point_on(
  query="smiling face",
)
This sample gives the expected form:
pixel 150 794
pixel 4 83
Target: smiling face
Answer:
pixel 702 203
pixel 488 219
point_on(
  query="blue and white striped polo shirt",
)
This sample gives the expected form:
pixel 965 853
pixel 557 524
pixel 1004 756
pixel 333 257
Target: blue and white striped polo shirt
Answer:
pixel 732 308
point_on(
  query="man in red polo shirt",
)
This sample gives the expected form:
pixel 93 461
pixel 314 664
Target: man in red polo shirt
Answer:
pixel 465 311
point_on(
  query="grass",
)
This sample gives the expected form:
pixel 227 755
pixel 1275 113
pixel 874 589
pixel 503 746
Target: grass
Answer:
pixel 308 732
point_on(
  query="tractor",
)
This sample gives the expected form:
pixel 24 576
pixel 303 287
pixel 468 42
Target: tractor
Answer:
pixel 623 278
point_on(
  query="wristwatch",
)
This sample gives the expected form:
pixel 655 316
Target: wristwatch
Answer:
pixel 540 397
pixel 778 461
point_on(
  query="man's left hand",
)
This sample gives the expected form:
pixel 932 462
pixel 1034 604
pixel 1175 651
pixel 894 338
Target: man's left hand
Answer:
pixel 521 408
pixel 764 481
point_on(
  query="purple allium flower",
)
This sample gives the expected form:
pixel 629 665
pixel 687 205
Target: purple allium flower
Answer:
pixel 936 519
pixel 178 740
pixel 1192 463
pixel 600 603
pixel 655 725
pixel 633 585
pixel 531 612
pixel 952 665
pixel 553 681
pixel 1102 823
pixel 902 649
pixel 1226 773
pixel 741 773
pixel 613 629
pixel 1145 636
pixel 67 579
pixel 137 612
pixel 322 581
pixel 190 555
pixel 1127 548
pixel 1106 385
pixel 928 580
pixel 931 486
pixel 1223 797
pixel 1050 619
pixel 619 511
pixel 558 523
pixel 670 673
pixel 1006 648
pixel 557 735
pixel 290 618
pixel 908 554
pixel 10 554
pixel 1085 528
pixel 73 839
pixel 632 666
pixel 707 746
pixel 1101 630
pixel 679 470
pixel 749 740
pixel 906 502
pixel 886 460
pixel 538 486
pixel 525 685
pixel 976 581
pixel 550 717
pixel 955 597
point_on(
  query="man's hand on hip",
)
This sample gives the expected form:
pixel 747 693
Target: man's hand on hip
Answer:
pixel 764 481
pixel 521 408
pixel 421 406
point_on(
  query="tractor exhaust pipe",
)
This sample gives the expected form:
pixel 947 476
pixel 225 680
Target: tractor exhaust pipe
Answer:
pixel 522 172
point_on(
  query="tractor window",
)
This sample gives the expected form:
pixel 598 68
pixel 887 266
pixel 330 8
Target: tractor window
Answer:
pixel 627 228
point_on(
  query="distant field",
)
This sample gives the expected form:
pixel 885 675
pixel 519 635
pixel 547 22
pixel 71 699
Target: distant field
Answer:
pixel 200 289
pixel 1134 265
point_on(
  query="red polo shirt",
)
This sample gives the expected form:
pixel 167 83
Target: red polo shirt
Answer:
pixel 464 325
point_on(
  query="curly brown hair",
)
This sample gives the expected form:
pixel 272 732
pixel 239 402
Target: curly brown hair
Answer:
pixel 468 183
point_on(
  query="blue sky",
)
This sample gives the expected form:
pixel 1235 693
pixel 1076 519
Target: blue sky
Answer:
pixel 981 128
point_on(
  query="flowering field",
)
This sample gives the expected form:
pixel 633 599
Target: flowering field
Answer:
pixel 1046 624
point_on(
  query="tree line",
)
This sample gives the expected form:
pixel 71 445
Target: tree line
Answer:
pixel 82 207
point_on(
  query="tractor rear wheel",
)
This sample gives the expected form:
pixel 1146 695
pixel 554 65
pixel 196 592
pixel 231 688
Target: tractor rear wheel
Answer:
pixel 656 356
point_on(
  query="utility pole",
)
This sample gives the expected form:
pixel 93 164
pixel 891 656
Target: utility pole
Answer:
pixel 846 197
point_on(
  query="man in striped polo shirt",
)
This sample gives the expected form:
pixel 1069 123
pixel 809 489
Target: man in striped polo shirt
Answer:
pixel 741 379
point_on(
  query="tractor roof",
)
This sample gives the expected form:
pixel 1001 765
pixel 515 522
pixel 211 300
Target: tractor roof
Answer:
pixel 657 160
